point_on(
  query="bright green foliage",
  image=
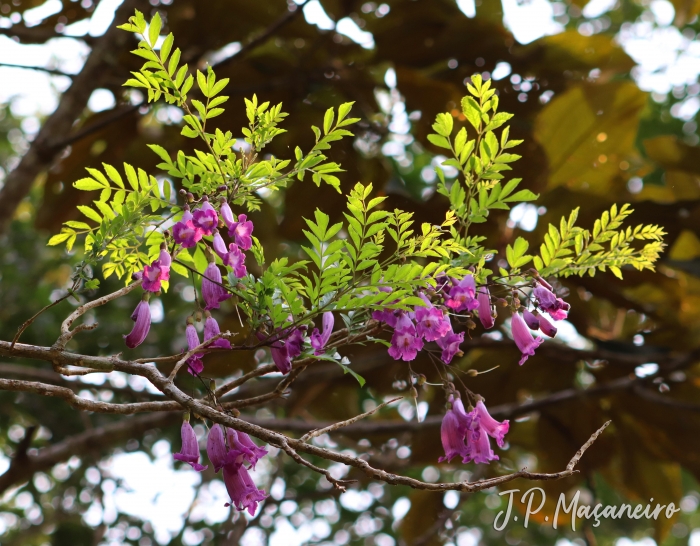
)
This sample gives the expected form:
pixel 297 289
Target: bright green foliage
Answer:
pixel 353 267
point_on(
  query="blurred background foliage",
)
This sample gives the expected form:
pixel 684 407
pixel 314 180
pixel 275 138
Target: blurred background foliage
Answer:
pixel 599 127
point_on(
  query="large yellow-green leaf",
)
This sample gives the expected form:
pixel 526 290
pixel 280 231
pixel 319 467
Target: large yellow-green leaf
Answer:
pixel 586 133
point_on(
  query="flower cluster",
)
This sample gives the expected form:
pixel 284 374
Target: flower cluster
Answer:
pixel 187 233
pixel 231 451
pixel 466 434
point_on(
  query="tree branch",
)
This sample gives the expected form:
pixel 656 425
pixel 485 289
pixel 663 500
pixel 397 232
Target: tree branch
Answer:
pixel 41 154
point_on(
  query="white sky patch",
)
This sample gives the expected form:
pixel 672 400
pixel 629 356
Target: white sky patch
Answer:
pixel 568 334
pixel 596 8
pixel 349 28
pixel 523 216
pixel 316 15
pixel 101 99
pixel 644 542
pixel 502 70
pixel 531 20
pixel 467 7
pixel 650 368
pixel 36 15
pixel 663 11
pixel 152 490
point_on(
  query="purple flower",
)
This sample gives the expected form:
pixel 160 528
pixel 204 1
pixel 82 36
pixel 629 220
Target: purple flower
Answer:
pixel 492 427
pixel 455 427
pixel 557 308
pixel 242 443
pixel 194 363
pixel 387 316
pixel 216 447
pixel 484 301
pixel 450 346
pixel 431 322
pixel 479 445
pixel 190 448
pixel 523 338
pixel 461 295
pixel 235 259
pixel 219 245
pixel 280 357
pixel 318 340
pixel 285 350
pixel 212 291
pixel 240 231
pixel 185 233
pixel 226 214
pixel 205 218
pixel 211 329
pixel 547 327
pixel 405 344
pixel 158 271
pixel 243 492
pixel 531 320
pixel 142 324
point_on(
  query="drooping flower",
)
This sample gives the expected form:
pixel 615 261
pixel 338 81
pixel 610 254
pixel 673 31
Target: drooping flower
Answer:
pixel 185 233
pixel 285 350
pixel 216 447
pixel 523 338
pixel 211 329
pixel 142 324
pixel 205 218
pixel 280 357
pixel 194 363
pixel 212 290
pixel 492 427
pixel 547 327
pixel 319 340
pixel 450 346
pixel 484 300
pixel 479 446
pixel 387 316
pixel 405 344
pixel 241 230
pixel 219 245
pixel 158 271
pixel 531 320
pixel 242 443
pixel 235 259
pixel 557 308
pixel 190 448
pixel 243 492
pixel 431 322
pixel 456 425
pixel 226 214
pixel 460 296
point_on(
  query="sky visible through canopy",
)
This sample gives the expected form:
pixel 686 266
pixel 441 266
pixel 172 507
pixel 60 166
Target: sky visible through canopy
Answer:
pixel 154 489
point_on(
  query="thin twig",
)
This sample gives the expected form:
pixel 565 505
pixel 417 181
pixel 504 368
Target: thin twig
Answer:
pixel 51 71
pixel 314 433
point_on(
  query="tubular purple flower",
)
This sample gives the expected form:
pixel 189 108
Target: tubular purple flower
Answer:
pixel 452 436
pixel 492 427
pixel 205 218
pixel 555 307
pixel 242 442
pixel 142 324
pixel 318 340
pixel 531 320
pixel 235 259
pixel 219 245
pixel 190 448
pixel 194 363
pixel 211 329
pixel 461 295
pixel 431 322
pixel 484 301
pixel 241 488
pixel 185 233
pixel 241 232
pixel 547 327
pixel 480 447
pixel 295 342
pixel 404 343
pixel 226 214
pixel 450 346
pixel 158 271
pixel 389 317
pixel 212 291
pixel 216 447
pixel 280 357
pixel 523 338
